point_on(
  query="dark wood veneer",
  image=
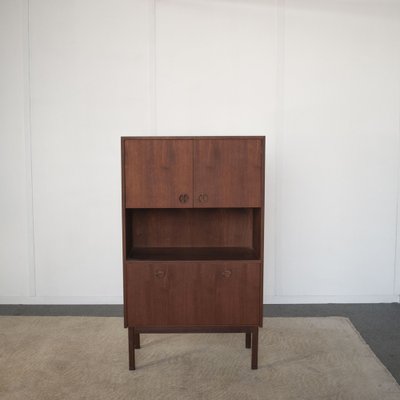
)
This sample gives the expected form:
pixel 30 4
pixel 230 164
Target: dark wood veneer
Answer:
pixel 192 253
pixel 193 220
pixel 158 173
pixel 166 227
pixel 227 173
pixel 192 293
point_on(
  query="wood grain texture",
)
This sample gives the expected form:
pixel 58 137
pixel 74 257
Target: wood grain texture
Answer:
pixel 158 172
pixel 167 294
pixel 228 173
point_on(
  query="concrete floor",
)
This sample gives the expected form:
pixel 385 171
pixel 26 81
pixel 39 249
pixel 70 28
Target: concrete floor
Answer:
pixel 379 324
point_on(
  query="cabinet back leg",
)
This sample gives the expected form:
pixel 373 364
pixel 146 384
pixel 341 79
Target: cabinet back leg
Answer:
pixel 137 340
pixel 131 341
pixel 254 349
pixel 248 340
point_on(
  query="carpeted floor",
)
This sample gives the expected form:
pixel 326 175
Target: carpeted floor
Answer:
pixel 86 358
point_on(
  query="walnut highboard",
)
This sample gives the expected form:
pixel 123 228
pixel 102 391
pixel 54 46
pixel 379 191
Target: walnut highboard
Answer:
pixel 193 223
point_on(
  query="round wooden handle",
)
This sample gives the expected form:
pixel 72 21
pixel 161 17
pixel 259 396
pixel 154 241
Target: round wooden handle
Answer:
pixel 226 273
pixel 159 273
pixel 183 198
pixel 203 198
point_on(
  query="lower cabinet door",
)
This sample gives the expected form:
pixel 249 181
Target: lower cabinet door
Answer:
pixel 193 293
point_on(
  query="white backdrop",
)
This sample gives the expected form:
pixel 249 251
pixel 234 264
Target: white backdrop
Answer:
pixel 319 78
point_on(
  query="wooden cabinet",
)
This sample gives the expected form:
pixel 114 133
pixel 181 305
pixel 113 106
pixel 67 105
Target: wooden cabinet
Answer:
pixel 193 218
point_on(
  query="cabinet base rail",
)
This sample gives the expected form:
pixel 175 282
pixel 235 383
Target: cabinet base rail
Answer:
pixel 251 339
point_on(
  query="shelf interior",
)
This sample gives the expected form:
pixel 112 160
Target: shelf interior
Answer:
pixel 192 253
pixel 193 234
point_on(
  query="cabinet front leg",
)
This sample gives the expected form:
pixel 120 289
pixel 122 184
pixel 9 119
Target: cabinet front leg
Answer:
pixel 254 349
pixel 131 340
pixel 248 340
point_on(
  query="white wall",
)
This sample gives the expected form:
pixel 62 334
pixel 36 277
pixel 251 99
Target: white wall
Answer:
pixel 15 224
pixel 89 83
pixel 339 151
pixel 320 78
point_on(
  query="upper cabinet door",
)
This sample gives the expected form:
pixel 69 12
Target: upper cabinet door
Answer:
pixel 228 172
pixel 158 173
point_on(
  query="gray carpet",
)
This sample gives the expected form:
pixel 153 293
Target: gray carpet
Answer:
pixel 86 358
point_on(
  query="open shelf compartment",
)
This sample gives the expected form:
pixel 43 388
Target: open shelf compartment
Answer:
pixel 193 234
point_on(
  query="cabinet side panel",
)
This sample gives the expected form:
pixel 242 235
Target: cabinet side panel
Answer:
pixel 261 241
pixel 123 232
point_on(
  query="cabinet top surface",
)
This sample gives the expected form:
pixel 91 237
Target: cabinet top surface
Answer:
pixel 191 137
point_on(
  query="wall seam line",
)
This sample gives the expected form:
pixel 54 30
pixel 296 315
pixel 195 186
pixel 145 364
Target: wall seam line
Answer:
pixel 152 68
pixel 155 68
pixel 280 26
pixel 28 154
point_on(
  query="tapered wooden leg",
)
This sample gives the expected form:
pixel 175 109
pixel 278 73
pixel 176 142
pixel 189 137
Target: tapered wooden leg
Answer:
pixel 131 340
pixel 248 340
pixel 137 341
pixel 254 349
